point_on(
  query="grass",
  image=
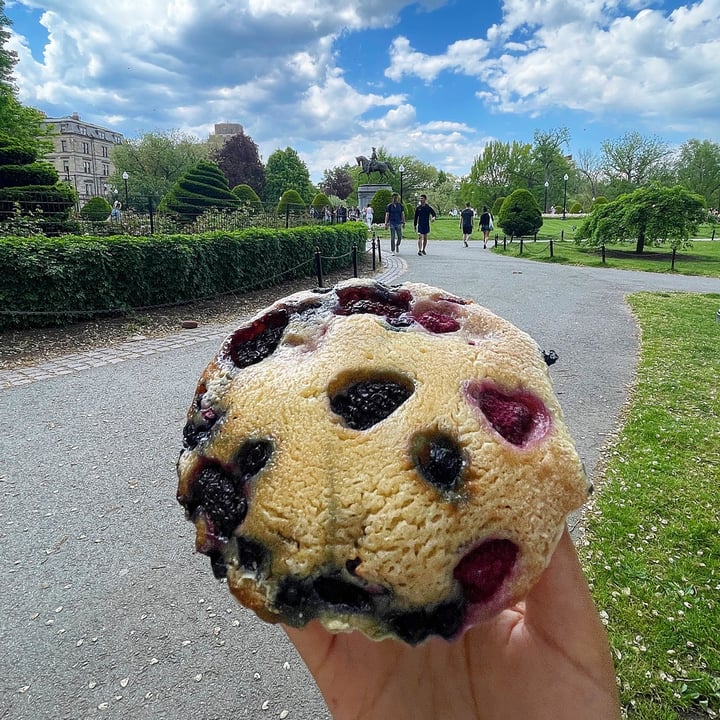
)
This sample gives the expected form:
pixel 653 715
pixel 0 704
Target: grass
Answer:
pixel 652 545
pixel 703 258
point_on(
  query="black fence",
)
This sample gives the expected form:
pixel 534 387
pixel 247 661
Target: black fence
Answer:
pixel 46 217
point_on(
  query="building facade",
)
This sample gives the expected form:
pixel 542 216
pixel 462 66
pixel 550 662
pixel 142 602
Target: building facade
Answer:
pixel 82 155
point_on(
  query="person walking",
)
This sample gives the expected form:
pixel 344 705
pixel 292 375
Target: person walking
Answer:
pixel 395 220
pixel 486 224
pixel 466 222
pixel 424 215
pixel 369 216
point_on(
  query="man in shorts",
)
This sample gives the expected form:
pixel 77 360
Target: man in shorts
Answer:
pixel 424 215
pixel 395 220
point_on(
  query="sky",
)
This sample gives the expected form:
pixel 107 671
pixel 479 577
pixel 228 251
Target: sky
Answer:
pixel 434 79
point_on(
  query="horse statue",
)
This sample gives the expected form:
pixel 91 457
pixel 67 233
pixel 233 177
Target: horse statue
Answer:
pixel 371 165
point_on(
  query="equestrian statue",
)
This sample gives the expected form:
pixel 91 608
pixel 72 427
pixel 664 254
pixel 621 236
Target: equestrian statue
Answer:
pixel 372 164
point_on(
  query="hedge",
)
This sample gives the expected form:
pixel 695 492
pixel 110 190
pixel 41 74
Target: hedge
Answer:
pixel 73 277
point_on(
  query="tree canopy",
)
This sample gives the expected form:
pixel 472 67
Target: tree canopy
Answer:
pixel 286 171
pixel 155 161
pixel 337 181
pixel 648 215
pixel 239 159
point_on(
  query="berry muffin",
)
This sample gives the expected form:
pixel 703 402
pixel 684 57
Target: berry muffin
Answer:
pixel 385 459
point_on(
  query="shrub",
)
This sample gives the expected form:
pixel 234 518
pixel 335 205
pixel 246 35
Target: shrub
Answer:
pixel 599 200
pixel 96 208
pixel 380 200
pixel 200 188
pixel 520 214
pixel 320 201
pixel 575 209
pixel 37 173
pixel 290 202
pixel 497 205
pixel 95 276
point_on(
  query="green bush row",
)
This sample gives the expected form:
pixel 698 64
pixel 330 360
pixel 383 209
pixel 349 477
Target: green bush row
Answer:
pixel 72 278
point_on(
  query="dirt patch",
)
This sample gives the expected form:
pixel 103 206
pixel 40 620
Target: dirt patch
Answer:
pixel 20 348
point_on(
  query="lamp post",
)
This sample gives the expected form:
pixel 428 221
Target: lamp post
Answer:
pixel 565 178
pixel 547 185
pixel 401 170
pixel 125 177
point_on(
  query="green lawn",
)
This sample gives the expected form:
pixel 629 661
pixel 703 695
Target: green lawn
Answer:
pixel 652 547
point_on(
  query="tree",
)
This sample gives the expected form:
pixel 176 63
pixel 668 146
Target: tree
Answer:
pixel 633 159
pixel 651 214
pixel 202 187
pixel 337 181
pixel 8 58
pixel 698 169
pixel 154 162
pixel 547 151
pixel 286 171
pixel 239 159
pixel 520 214
pixel 380 200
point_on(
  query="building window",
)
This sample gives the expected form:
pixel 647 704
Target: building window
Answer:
pixel 87 167
pixel 63 145
pixel 106 169
pixel 86 148
pixel 88 189
pixel 104 151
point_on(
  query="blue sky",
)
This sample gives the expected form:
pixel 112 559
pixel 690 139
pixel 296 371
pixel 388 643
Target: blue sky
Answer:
pixel 436 79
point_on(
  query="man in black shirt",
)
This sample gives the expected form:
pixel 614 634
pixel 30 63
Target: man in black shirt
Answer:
pixel 395 220
pixel 424 215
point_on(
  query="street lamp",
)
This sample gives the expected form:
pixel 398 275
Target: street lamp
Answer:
pixel 125 177
pixel 547 185
pixel 565 178
pixel 401 169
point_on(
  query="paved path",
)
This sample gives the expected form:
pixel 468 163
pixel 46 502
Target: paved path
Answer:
pixel 105 612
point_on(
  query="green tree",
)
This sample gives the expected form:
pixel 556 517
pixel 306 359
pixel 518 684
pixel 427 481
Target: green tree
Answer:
pixel 698 169
pixel 239 159
pixel 497 206
pixel 201 188
pixel 649 215
pixel 154 162
pixel 520 214
pixel 634 159
pixel 547 153
pixel 8 58
pixel 286 171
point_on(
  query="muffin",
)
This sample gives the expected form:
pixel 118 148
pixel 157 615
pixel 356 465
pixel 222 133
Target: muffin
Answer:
pixel 385 459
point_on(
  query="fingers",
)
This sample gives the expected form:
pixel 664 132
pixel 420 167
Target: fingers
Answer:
pixel 561 608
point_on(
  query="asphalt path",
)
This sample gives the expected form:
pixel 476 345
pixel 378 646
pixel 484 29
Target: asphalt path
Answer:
pixel 105 610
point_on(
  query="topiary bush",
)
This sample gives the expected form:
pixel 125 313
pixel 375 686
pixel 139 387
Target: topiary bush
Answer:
pixel 291 202
pixel 497 205
pixel 202 187
pixel 576 208
pixel 520 214
pixel 96 208
pixel 320 201
pixel 380 200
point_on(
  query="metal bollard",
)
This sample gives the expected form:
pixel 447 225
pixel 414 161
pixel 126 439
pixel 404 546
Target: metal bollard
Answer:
pixel 318 267
pixel 355 261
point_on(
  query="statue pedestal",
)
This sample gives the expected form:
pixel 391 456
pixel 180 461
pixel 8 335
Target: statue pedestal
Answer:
pixel 367 192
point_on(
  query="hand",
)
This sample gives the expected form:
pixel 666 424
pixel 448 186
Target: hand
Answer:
pixel 545 659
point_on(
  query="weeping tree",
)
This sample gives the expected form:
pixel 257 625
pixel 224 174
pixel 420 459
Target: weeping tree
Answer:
pixel 201 188
pixel 649 215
